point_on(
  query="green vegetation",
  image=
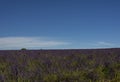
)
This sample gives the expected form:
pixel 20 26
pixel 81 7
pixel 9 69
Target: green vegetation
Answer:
pixel 23 49
pixel 52 68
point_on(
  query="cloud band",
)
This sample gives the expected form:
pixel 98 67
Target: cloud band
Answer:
pixel 28 42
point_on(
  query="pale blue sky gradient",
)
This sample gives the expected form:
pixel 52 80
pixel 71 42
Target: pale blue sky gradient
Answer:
pixel 80 23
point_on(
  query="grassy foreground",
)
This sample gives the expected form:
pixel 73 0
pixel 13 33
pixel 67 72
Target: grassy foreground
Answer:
pixel 38 66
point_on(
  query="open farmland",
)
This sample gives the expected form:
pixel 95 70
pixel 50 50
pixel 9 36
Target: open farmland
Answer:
pixel 75 65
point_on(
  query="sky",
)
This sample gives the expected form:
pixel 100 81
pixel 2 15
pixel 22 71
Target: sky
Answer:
pixel 59 24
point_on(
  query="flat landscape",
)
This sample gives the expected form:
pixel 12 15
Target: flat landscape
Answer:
pixel 65 65
pixel 59 41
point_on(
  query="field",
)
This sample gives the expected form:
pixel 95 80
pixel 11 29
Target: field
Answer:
pixel 75 65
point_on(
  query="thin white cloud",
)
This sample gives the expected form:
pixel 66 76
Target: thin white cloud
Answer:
pixel 28 42
pixel 103 44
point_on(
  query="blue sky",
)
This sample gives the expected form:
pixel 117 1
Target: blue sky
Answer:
pixel 52 24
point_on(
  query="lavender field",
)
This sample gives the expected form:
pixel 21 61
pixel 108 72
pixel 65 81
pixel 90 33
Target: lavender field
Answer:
pixel 75 65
